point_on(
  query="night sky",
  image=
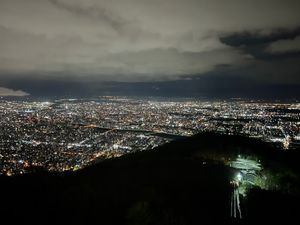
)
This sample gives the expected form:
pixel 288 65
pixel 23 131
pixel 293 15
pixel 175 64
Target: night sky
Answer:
pixel 205 48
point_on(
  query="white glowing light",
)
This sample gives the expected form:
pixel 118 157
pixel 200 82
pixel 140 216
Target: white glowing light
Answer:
pixel 239 177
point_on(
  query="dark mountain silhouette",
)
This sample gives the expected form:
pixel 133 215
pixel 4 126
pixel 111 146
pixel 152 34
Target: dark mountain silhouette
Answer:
pixel 182 182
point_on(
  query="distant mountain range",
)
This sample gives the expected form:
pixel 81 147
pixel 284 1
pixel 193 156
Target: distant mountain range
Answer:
pixel 183 182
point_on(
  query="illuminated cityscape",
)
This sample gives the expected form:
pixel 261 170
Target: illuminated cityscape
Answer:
pixel 69 134
pixel 139 112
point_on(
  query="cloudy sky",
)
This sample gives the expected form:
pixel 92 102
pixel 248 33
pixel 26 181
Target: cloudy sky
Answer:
pixel 158 47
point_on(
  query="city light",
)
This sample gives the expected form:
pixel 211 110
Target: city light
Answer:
pixel 66 134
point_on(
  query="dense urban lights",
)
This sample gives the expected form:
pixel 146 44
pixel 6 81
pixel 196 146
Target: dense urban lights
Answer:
pixel 69 134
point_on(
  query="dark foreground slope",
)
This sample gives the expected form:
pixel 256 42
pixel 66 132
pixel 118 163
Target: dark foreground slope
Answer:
pixel 174 184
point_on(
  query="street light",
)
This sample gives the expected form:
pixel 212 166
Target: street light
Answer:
pixel 239 177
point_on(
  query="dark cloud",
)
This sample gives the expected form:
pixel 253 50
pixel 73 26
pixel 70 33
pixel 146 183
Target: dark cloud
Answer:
pixel 90 41
pixel 211 86
pixel 246 38
pixel 93 12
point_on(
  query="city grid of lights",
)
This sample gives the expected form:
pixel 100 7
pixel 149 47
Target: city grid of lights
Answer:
pixel 69 134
